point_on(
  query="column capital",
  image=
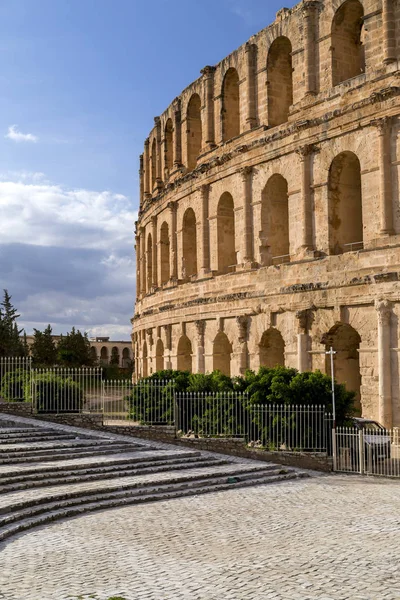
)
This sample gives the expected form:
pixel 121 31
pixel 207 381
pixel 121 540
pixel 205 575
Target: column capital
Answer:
pixel 208 71
pixel 205 189
pixel 384 310
pixel 157 120
pixel 154 220
pixel 200 330
pixel 149 333
pixel 245 172
pixel 383 125
pixel 307 150
pixel 172 205
pixel 243 325
pixel 147 142
pixel 310 5
pixel 168 336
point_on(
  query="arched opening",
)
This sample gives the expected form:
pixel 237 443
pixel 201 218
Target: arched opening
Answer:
pixel 104 355
pixel 164 252
pixel 114 356
pixel 275 245
pixel 184 354
pixel 345 204
pixel 348 52
pixel 189 244
pixel 222 350
pixel 126 358
pixel 230 105
pixel 194 134
pixel 169 150
pixel 149 262
pixel 272 349
pixel 153 164
pixel 145 366
pixel 93 354
pixel 159 355
pixel 280 81
pixel 345 341
pixel 226 234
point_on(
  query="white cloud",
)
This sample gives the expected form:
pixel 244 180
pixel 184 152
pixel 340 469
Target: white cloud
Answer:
pixel 17 136
pixel 43 214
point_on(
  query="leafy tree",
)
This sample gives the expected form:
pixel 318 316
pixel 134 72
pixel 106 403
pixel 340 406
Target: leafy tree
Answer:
pixel 114 360
pixel 43 350
pixel 10 341
pixel 73 350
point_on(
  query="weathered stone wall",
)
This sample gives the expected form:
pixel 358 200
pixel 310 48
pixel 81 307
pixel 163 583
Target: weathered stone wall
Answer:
pixel 283 240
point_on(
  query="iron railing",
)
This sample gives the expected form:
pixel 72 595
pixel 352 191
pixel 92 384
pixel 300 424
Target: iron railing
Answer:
pixel 14 376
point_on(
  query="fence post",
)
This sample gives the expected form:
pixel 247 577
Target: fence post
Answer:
pixel 334 449
pixel 361 450
pixel 175 415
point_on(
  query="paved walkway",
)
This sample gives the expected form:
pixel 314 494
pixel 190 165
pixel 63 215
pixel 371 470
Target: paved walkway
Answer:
pixel 325 538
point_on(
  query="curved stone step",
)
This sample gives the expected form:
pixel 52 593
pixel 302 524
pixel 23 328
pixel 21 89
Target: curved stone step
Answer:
pixel 7 530
pixel 69 454
pixel 100 473
pixel 35 439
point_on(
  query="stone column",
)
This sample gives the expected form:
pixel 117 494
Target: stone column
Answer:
pixel 159 178
pixel 384 127
pixel 177 135
pixel 303 341
pixel 389 31
pixel 243 353
pixel 168 346
pixel 138 278
pixel 205 231
pixel 310 12
pixel 246 174
pixel 143 277
pixel 154 282
pixel 305 153
pixel 147 168
pixel 200 358
pixel 208 134
pixel 141 178
pixel 384 311
pixel 173 245
pixel 251 59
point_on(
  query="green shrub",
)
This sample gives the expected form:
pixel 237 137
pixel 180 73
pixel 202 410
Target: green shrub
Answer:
pixel 52 393
pixel 13 385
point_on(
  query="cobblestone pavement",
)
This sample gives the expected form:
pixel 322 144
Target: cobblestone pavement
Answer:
pixel 326 538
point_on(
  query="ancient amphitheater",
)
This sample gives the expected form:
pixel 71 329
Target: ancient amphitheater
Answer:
pixel 269 225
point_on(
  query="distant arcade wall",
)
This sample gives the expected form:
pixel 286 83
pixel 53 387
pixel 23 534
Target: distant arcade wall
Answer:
pixel 269 223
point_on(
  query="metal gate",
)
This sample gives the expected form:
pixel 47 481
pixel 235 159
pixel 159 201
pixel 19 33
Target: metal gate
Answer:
pixel 367 451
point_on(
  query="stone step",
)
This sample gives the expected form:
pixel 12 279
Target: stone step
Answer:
pixel 32 497
pixel 41 446
pixel 19 430
pixel 24 457
pixel 35 439
pixel 25 521
pixel 100 473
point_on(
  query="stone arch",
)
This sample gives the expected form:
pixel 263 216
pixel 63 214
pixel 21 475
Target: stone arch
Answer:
pixel 93 354
pixel 226 233
pixel 149 262
pixel 145 361
pixel 164 253
pixel 280 81
pixel 272 349
pixel 114 356
pixel 345 204
pixel 159 355
pixel 189 244
pixel 275 242
pixel 153 164
pixel 230 105
pixel 126 357
pixel 348 51
pixel 184 354
pixel 222 350
pixel 345 341
pixel 169 145
pixel 194 131
pixel 104 355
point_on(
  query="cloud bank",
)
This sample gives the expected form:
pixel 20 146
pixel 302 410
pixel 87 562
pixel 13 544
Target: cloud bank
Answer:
pixel 66 256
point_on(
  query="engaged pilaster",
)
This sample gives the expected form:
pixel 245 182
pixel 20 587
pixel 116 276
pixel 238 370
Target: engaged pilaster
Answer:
pixel 205 230
pixel 173 255
pixel 247 252
pixel 306 154
pixel 154 282
pixel 389 31
pixel 177 135
pixel 243 353
pixel 251 59
pixel 303 340
pixel 384 312
pixel 310 13
pixel 384 127
pixel 209 137
pixel 147 168
pixel 200 357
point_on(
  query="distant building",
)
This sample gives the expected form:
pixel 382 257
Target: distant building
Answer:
pixel 104 349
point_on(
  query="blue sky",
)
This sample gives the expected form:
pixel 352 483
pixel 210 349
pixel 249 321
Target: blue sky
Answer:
pixel 80 83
